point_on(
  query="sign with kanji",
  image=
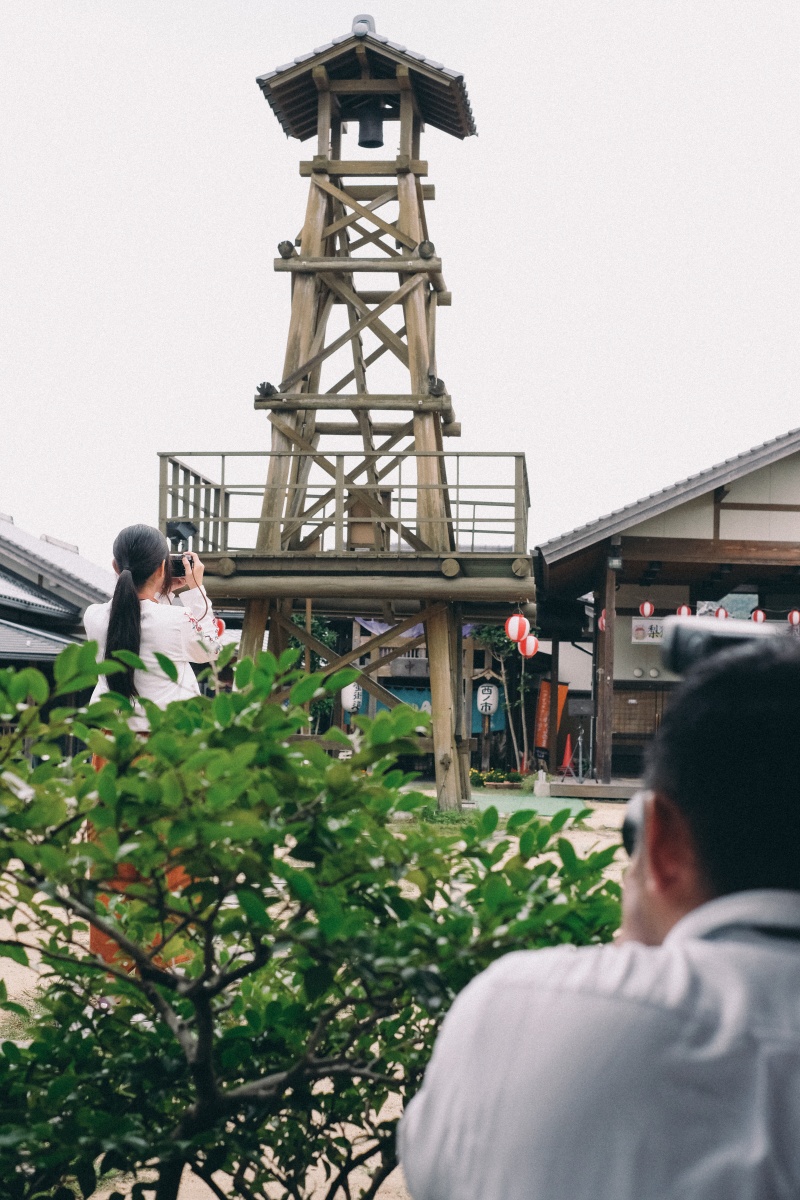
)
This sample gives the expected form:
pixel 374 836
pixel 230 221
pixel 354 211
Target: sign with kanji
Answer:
pixel 647 631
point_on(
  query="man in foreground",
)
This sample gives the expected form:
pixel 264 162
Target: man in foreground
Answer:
pixel 666 1066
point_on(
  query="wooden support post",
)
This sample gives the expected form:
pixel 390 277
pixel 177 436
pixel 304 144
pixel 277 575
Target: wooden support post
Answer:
pixel 486 742
pixel 552 738
pixel 445 753
pixel 302 328
pixel 307 664
pixel 604 686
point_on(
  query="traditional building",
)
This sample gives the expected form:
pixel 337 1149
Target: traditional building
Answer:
pixel 726 537
pixel 45 587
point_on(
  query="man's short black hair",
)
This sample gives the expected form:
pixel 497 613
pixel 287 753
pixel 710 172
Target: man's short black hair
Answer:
pixel 728 754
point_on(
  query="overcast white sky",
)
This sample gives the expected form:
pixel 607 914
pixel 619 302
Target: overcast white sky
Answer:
pixel 621 239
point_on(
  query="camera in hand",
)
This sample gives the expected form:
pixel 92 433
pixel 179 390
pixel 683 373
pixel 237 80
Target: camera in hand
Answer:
pixel 178 566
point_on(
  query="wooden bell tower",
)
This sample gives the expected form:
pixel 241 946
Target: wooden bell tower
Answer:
pixel 386 525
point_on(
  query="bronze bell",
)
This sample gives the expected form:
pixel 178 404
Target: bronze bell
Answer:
pixel 370 124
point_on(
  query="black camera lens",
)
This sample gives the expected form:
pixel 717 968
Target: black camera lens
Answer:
pixel 632 824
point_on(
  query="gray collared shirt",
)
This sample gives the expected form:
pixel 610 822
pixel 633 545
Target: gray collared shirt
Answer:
pixel 623 1072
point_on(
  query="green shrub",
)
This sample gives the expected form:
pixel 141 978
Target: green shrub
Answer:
pixel 476 778
pixel 265 1010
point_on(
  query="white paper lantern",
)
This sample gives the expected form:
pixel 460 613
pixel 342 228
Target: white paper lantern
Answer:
pixel 794 617
pixel 528 646
pixel 517 627
pixel 647 608
pixel 352 695
pixel 758 615
pixel 488 699
pixel 684 610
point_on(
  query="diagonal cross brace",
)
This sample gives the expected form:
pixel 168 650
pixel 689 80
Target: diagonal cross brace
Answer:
pixel 370 319
pixel 363 212
pixel 363 492
pixel 345 660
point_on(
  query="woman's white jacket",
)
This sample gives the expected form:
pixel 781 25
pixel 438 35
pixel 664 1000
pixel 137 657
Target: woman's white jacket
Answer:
pixel 184 631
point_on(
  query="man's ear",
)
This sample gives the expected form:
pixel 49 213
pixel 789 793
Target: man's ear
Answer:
pixel 674 870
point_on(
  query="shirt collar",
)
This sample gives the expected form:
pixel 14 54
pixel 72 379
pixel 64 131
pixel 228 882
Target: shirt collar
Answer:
pixel 766 906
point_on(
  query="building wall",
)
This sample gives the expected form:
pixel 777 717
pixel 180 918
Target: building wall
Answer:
pixel 695 519
pixel 775 484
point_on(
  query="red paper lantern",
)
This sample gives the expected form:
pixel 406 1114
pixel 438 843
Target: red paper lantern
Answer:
pixel 517 627
pixel 758 615
pixel 528 646
pixel 722 613
pixel 647 608
pixel 601 621
pixel 219 625
pixel 794 617
pixel 684 610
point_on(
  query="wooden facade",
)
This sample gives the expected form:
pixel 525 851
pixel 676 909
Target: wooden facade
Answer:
pixel 732 531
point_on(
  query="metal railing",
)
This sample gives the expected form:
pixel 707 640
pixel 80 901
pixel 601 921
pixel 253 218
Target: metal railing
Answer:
pixel 379 502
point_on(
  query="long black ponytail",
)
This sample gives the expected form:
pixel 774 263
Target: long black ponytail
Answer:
pixel 139 551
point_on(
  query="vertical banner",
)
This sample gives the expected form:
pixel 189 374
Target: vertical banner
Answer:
pixel 541 736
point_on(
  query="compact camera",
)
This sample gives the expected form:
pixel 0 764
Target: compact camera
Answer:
pixel 178 566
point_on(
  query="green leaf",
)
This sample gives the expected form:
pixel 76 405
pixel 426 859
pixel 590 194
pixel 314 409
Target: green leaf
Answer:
pixel 519 818
pixel 305 689
pixel 253 907
pixel 528 844
pixel 167 666
pixel 223 709
pixel 568 856
pixel 340 679
pixel 226 654
pixel 66 665
pixel 335 734
pixel 489 820
pixel 15 953
pixel 317 980
pixel 86 1177
pixel 130 659
pixel 11 1051
pixel 244 672
pixel 288 658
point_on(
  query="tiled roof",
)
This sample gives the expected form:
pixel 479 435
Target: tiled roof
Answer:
pixel 669 497
pixel 440 91
pixel 16 592
pixel 18 642
pixel 84 577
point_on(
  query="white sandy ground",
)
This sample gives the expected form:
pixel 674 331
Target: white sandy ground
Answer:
pixel 601 829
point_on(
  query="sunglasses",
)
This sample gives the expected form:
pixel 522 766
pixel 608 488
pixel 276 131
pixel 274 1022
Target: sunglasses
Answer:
pixel 632 824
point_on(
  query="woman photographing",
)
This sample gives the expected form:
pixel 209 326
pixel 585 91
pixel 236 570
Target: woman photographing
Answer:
pixel 141 617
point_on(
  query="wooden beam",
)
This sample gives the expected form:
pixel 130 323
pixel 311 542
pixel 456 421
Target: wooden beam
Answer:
pixel 364 167
pixel 370 685
pixel 706 550
pixel 398 402
pixel 369 191
pixel 347 87
pixel 379 428
pixel 368 361
pixel 552 731
pixel 373 587
pixel 443 299
pixel 405 266
pixel 604 690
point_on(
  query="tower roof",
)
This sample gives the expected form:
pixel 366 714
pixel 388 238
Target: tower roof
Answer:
pixel 440 91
